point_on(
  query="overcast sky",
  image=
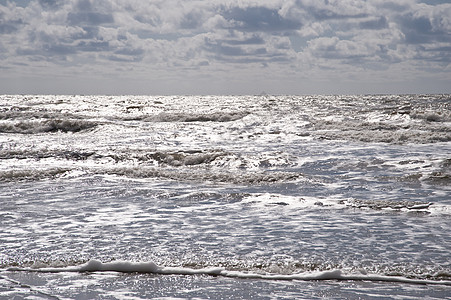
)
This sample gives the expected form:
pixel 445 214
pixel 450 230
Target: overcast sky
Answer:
pixel 225 46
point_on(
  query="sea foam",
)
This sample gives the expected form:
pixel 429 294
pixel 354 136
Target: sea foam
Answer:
pixel 152 268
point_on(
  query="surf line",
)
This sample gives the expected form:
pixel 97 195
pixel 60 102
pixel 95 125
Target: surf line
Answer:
pixel 152 268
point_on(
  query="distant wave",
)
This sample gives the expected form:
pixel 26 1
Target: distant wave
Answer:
pixel 212 176
pixel 46 153
pixel 190 117
pixel 30 113
pixel 151 267
pixel 444 116
pixel 52 125
pixel 184 158
pixel 381 132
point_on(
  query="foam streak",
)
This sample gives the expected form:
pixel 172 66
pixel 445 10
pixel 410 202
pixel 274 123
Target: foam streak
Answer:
pixel 150 267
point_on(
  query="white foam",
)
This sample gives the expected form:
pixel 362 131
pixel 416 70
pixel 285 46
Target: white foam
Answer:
pixel 291 202
pixel 151 267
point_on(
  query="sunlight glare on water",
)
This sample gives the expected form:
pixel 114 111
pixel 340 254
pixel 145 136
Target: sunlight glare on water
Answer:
pixel 243 197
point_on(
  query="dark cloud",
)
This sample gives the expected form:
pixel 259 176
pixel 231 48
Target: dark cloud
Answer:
pixel 324 14
pixel 47 51
pixel 259 18
pixel 374 24
pixel 129 52
pixel 262 60
pixel 253 49
pixel 87 14
pixel 93 46
pixel 7 28
pixel 26 51
pixel 441 55
pixel 419 30
pixel 89 18
pixel 434 2
pixel 10 23
pixel 84 5
pixel 21 3
pixel 323 10
pixel 394 6
pixel 124 58
pixel 51 4
pixel 192 20
pixel 58 49
pixel 346 51
pixel 253 40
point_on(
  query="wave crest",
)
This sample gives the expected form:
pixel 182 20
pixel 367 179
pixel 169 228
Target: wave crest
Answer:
pixel 209 176
pixel 31 174
pixel 52 125
pixel 204 117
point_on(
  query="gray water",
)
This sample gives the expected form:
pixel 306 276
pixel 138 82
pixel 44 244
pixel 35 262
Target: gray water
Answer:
pixel 264 197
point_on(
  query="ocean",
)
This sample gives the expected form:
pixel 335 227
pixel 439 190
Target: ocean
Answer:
pixel 225 197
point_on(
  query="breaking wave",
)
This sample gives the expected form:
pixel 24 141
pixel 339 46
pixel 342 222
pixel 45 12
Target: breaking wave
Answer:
pixel 183 158
pixel 52 125
pixel 205 175
pixel 45 153
pixel 382 133
pixel 31 174
pixel 205 117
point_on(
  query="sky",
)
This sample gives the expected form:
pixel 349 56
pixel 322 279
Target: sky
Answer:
pixel 225 46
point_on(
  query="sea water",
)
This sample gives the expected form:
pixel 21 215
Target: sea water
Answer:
pixel 225 197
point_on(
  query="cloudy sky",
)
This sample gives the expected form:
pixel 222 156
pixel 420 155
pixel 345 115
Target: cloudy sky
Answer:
pixel 225 46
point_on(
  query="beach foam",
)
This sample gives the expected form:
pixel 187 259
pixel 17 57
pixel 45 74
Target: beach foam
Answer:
pixel 151 267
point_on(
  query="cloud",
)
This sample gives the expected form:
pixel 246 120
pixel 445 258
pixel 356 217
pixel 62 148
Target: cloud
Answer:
pixel 258 18
pixel 254 39
pixel 297 37
pixel 11 19
pixel 89 18
pixel 374 23
pixel 51 4
pixel 324 10
pixel 427 24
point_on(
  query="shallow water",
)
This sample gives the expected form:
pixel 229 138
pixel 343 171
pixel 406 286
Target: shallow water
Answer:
pixel 283 196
